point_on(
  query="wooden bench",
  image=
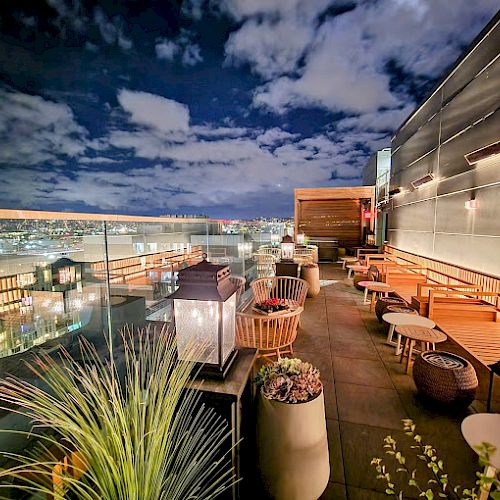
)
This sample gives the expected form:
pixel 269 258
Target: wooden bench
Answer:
pixel 404 279
pixel 473 323
pixel 420 301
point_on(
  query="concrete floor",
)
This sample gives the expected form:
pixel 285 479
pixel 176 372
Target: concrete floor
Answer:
pixel 367 393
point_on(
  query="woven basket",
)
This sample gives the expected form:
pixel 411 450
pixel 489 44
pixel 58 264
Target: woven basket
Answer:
pixel 384 302
pixel 445 377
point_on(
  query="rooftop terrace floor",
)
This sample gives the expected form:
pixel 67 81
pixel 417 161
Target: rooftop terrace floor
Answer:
pixel 367 392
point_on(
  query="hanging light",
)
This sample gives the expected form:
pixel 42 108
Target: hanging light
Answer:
pixel 205 317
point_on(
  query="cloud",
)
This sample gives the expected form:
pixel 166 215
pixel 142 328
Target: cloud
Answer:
pixel 111 29
pixel 35 130
pixel 165 115
pixel 181 48
pixel 274 135
pixel 307 57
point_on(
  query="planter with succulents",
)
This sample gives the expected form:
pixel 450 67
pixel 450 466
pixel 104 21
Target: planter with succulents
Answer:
pixel 291 426
pixel 272 307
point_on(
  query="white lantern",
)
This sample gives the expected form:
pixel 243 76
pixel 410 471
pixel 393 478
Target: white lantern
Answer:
pixel 301 238
pixel 205 317
pixel 287 248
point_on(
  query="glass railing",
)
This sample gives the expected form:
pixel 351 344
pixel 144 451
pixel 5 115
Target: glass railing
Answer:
pixel 65 275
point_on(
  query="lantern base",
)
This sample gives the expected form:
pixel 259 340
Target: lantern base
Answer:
pixel 217 372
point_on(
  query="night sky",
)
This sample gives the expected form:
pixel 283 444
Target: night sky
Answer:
pixel 210 107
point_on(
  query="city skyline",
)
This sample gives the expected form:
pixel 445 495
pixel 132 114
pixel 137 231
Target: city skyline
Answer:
pixel 220 108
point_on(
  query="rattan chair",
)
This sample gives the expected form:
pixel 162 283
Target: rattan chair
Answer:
pixel 265 264
pixel 293 290
pixel 270 335
pixel 238 281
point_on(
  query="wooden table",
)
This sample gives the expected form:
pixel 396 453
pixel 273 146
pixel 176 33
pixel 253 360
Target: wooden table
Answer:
pixel 356 268
pixel 232 398
pixel 376 287
pixel 396 319
pixel 414 334
pixel 484 428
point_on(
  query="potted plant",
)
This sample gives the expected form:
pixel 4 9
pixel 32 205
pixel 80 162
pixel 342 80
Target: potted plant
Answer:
pixel 292 438
pixel 129 426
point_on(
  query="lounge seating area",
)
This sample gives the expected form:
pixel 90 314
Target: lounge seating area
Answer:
pixel 368 392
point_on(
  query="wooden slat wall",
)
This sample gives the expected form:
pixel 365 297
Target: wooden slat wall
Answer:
pixel 339 219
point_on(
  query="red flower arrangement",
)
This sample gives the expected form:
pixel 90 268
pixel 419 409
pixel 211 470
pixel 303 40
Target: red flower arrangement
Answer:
pixel 272 305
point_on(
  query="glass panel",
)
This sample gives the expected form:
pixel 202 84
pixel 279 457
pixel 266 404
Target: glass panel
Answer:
pixel 228 326
pixel 197 330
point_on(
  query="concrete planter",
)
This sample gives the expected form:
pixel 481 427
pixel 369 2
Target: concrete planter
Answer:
pixel 293 448
pixel 310 273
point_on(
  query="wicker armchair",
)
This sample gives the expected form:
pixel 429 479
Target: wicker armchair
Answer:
pixel 293 290
pixel 271 335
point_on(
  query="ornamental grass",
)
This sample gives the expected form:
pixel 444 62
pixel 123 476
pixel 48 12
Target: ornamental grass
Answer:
pixel 134 432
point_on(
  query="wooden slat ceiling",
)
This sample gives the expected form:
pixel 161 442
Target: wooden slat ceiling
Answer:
pixel 335 219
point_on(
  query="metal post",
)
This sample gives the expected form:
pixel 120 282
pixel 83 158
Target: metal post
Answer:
pixel 108 289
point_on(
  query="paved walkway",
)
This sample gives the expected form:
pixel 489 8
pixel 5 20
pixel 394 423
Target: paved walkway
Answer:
pixel 367 392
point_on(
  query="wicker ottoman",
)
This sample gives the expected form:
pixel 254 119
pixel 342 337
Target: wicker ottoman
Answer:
pixel 384 302
pixel 357 278
pixel 445 377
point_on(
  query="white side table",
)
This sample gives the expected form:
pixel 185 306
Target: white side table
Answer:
pixel 355 268
pixel 396 319
pixel 484 428
pixel 346 260
pixel 376 287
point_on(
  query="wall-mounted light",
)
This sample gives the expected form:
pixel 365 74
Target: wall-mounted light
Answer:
pixel 471 204
pixel 422 180
pixel 486 153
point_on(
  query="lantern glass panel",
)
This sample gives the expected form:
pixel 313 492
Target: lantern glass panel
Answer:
pixel 287 250
pixel 228 326
pixel 197 327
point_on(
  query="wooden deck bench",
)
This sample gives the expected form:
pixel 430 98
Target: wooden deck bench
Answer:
pixel 474 324
pixel 404 279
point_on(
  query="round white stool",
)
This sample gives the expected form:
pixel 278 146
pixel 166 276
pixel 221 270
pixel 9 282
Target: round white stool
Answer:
pixel 376 287
pixel 346 260
pixel 354 268
pixel 484 428
pixel 396 319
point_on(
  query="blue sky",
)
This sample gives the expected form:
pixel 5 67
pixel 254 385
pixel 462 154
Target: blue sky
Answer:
pixel 214 107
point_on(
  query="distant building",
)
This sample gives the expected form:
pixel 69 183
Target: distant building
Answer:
pixel 445 172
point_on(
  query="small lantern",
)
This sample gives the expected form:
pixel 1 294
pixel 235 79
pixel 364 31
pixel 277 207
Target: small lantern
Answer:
pixel 287 247
pixel 301 238
pixel 205 317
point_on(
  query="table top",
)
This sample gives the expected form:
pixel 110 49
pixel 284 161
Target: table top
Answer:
pixel 349 259
pixel 408 319
pixel 395 308
pixel 483 428
pixel 237 377
pixel 377 286
pixel 421 333
pixel 355 267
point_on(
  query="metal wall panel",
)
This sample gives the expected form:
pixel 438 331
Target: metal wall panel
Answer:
pixel 480 98
pixel 452 216
pixel 420 243
pixel 487 216
pixel 481 56
pixel 420 143
pixel 428 109
pixel 414 217
pixel 478 175
pixel 451 156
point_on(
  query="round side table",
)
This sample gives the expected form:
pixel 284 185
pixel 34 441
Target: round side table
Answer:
pixel 377 288
pixel 484 428
pixel 346 260
pixel 395 319
pixel 354 268
pixel 413 334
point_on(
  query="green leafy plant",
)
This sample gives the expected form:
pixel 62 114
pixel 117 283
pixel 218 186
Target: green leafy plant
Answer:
pixel 439 484
pixel 141 435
